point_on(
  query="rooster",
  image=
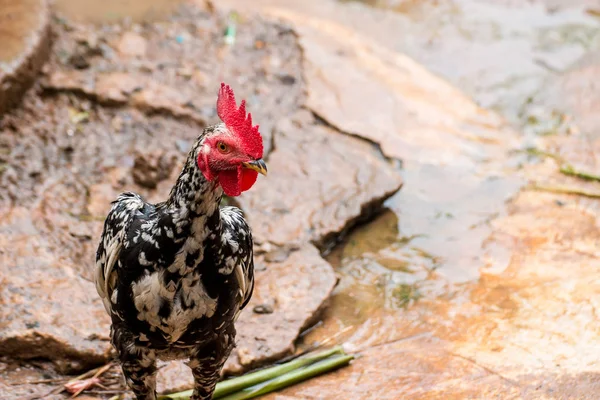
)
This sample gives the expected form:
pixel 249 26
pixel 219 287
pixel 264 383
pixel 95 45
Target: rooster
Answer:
pixel 174 276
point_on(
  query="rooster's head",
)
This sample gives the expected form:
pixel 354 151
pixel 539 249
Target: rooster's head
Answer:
pixel 232 152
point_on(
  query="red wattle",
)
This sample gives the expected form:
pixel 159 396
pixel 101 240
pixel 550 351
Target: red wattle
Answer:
pixel 236 181
pixel 230 182
pixel 248 178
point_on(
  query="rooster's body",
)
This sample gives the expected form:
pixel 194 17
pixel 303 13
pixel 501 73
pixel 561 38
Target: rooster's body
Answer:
pixel 175 275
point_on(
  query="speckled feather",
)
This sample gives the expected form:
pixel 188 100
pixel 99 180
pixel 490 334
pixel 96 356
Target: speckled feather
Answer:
pixel 173 277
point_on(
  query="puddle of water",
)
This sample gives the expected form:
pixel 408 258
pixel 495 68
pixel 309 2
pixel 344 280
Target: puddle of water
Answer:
pixel 409 266
pixel 499 52
pixel 431 257
pixel 447 211
pixel 100 11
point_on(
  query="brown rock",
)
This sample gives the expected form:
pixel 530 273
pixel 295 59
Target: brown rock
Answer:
pixel 566 112
pixel 132 45
pixel 296 289
pixel 107 88
pixel 47 310
pixel 156 97
pixel 151 168
pixel 25 38
pixel 117 88
pixel 421 369
pixel 103 12
pixel 15 381
pixel 527 326
pixel 320 182
pixel 182 79
pixel 173 377
pixel 101 195
pixel 388 98
pixel 76 81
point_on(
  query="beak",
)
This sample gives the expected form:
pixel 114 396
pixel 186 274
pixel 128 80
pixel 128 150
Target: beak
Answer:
pixel 257 165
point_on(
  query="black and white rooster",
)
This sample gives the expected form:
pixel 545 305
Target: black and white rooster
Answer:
pixel 174 276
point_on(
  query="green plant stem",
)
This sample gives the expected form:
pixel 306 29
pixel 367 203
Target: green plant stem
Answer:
pixel 541 153
pixel 571 171
pixel 291 378
pixel 566 190
pixel 564 168
pixel 235 384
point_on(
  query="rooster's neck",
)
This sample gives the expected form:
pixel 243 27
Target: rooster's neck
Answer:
pixel 193 195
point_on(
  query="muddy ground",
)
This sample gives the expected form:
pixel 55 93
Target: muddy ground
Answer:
pixel 478 279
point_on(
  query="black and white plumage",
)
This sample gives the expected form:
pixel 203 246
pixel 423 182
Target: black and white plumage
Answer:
pixel 174 276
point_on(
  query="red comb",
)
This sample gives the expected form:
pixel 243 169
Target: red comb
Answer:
pixel 236 121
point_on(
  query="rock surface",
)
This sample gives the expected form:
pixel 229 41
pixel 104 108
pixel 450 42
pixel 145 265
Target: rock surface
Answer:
pixel 387 97
pixel 469 286
pixel 18 382
pixel 186 59
pixel 46 309
pixel 498 52
pixel 329 180
pixel 477 287
pixel 106 120
pixel 414 368
pixel 120 88
pixel 565 110
pixel 575 93
pixel 25 38
pixel 295 290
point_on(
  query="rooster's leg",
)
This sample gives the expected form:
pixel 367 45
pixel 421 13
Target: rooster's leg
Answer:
pixel 206 363
pixel 138 364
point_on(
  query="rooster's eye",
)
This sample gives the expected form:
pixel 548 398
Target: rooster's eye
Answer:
pixel 223 148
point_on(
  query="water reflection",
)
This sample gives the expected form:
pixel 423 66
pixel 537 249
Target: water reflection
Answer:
pixel 499 52
pixel 409 265
pixel 447 210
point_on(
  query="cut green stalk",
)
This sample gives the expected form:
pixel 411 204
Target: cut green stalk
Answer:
pixel 541 153
pixel 291 378
pixel 571 171
pixel 565 168
pixel 566 190
pixel 235 384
